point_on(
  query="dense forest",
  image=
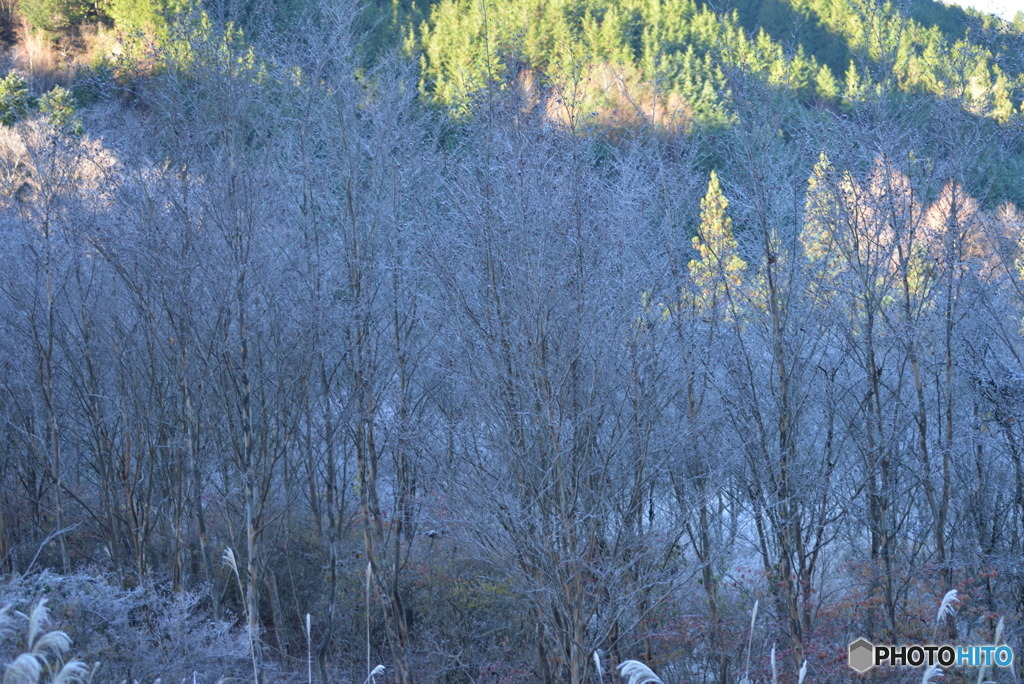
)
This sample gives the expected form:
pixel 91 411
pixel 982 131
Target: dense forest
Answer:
pixel 508 340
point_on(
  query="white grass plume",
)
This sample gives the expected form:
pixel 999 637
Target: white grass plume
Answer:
pixel 379 670
pixel 42 644
pixel 995 642
pixel 946 607
pixel 930 673
pixel 309 648
pixel 750 642
pixel 41 647
pixel 25 669
pixel 369 575
pixel 636 672
pixel 229 560
pixel 775 672
pixel 7 629
pixel 73 672
pixel 597 664
pixel 35 621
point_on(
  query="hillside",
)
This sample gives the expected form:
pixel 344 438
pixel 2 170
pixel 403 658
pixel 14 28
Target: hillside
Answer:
pixel 828 52
pixel 675 63
pixel 508 340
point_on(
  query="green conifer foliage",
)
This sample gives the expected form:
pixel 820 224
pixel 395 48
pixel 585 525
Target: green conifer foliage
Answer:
pixel 58 106
pixel 54 16
pixel 718 269
pixel 15 99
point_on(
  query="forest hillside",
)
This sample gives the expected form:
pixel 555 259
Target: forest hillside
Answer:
pixel 508 340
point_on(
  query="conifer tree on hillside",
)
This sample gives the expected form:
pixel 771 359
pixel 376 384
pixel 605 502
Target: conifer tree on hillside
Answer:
pixel 718 269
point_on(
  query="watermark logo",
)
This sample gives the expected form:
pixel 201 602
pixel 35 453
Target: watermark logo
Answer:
pixel 864 655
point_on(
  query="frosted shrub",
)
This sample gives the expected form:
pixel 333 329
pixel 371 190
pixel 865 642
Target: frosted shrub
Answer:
pixel 142 634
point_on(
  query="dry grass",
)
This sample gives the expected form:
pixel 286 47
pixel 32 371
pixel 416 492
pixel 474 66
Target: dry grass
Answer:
pixel 47 63
pixel 95 44
pixel 608 96
pixel 40 60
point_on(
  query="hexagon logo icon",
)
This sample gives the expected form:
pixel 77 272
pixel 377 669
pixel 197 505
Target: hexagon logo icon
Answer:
pixel 862 655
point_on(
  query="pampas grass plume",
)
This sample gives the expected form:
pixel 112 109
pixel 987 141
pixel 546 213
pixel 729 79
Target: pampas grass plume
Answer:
pixel 25 669
pixel 946 607
pixel 29 667
pixel 229 560
pixel 73 673
pixel 309 648
pixel 995 642
pixel 750 642
pixel 379 670
pixel 638 673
